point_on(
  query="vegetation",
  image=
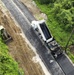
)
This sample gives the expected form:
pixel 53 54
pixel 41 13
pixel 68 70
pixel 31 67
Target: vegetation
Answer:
pixel 64 14
pixel 60 18
pixel 46 1
pixel 60 21
pixel 71 56
pixel 7 65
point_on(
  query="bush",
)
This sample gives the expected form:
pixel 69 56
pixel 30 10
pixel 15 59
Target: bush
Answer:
pixel 56 9
pixel 66 5
pixel 72 10
pixel 72 3
pixel 46 1
pixel 64 13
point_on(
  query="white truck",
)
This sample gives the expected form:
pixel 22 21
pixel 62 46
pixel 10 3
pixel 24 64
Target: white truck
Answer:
pixel 41 28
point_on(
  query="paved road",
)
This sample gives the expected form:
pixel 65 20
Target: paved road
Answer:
pixel 24 10
pixel 67 67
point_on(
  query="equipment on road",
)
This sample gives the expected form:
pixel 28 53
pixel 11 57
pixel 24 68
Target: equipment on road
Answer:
pixel 4 34
pixel 42 31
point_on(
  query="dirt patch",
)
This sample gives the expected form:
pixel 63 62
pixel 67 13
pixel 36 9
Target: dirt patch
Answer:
pixel 18 48
pixel 34 9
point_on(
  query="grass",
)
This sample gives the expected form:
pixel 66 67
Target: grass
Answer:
pixel 71 56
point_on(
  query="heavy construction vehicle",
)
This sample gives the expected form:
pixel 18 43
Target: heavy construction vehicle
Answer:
pixel 4 34
pixel 42 30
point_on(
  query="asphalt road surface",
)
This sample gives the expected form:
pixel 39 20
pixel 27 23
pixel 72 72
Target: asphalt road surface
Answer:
pixel 66 65
pixel 24 10
pixel 24 17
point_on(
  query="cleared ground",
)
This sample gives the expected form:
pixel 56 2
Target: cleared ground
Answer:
pixel 34 9
pixel 18 48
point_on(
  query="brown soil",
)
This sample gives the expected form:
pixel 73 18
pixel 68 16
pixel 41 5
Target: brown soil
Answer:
pixel 18 48
pixel 34 9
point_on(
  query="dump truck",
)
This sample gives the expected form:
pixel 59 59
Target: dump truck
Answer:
pixel 42 31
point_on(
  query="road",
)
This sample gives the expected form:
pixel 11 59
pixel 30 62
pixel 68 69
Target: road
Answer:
pixel 66 65
pixel 24 17
pixel 24 10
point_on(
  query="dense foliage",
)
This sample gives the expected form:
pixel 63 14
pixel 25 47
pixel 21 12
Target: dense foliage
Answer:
pixel 64 13
pixel 60 21
pixel 7 65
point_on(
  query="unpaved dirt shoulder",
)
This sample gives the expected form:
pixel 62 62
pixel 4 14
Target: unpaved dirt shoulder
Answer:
pixel 31 5
pixel 18 48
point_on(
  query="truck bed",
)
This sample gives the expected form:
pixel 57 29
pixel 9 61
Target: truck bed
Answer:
pixel 45 31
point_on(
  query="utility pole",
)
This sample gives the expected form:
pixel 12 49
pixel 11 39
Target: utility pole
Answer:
pixel 68 41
